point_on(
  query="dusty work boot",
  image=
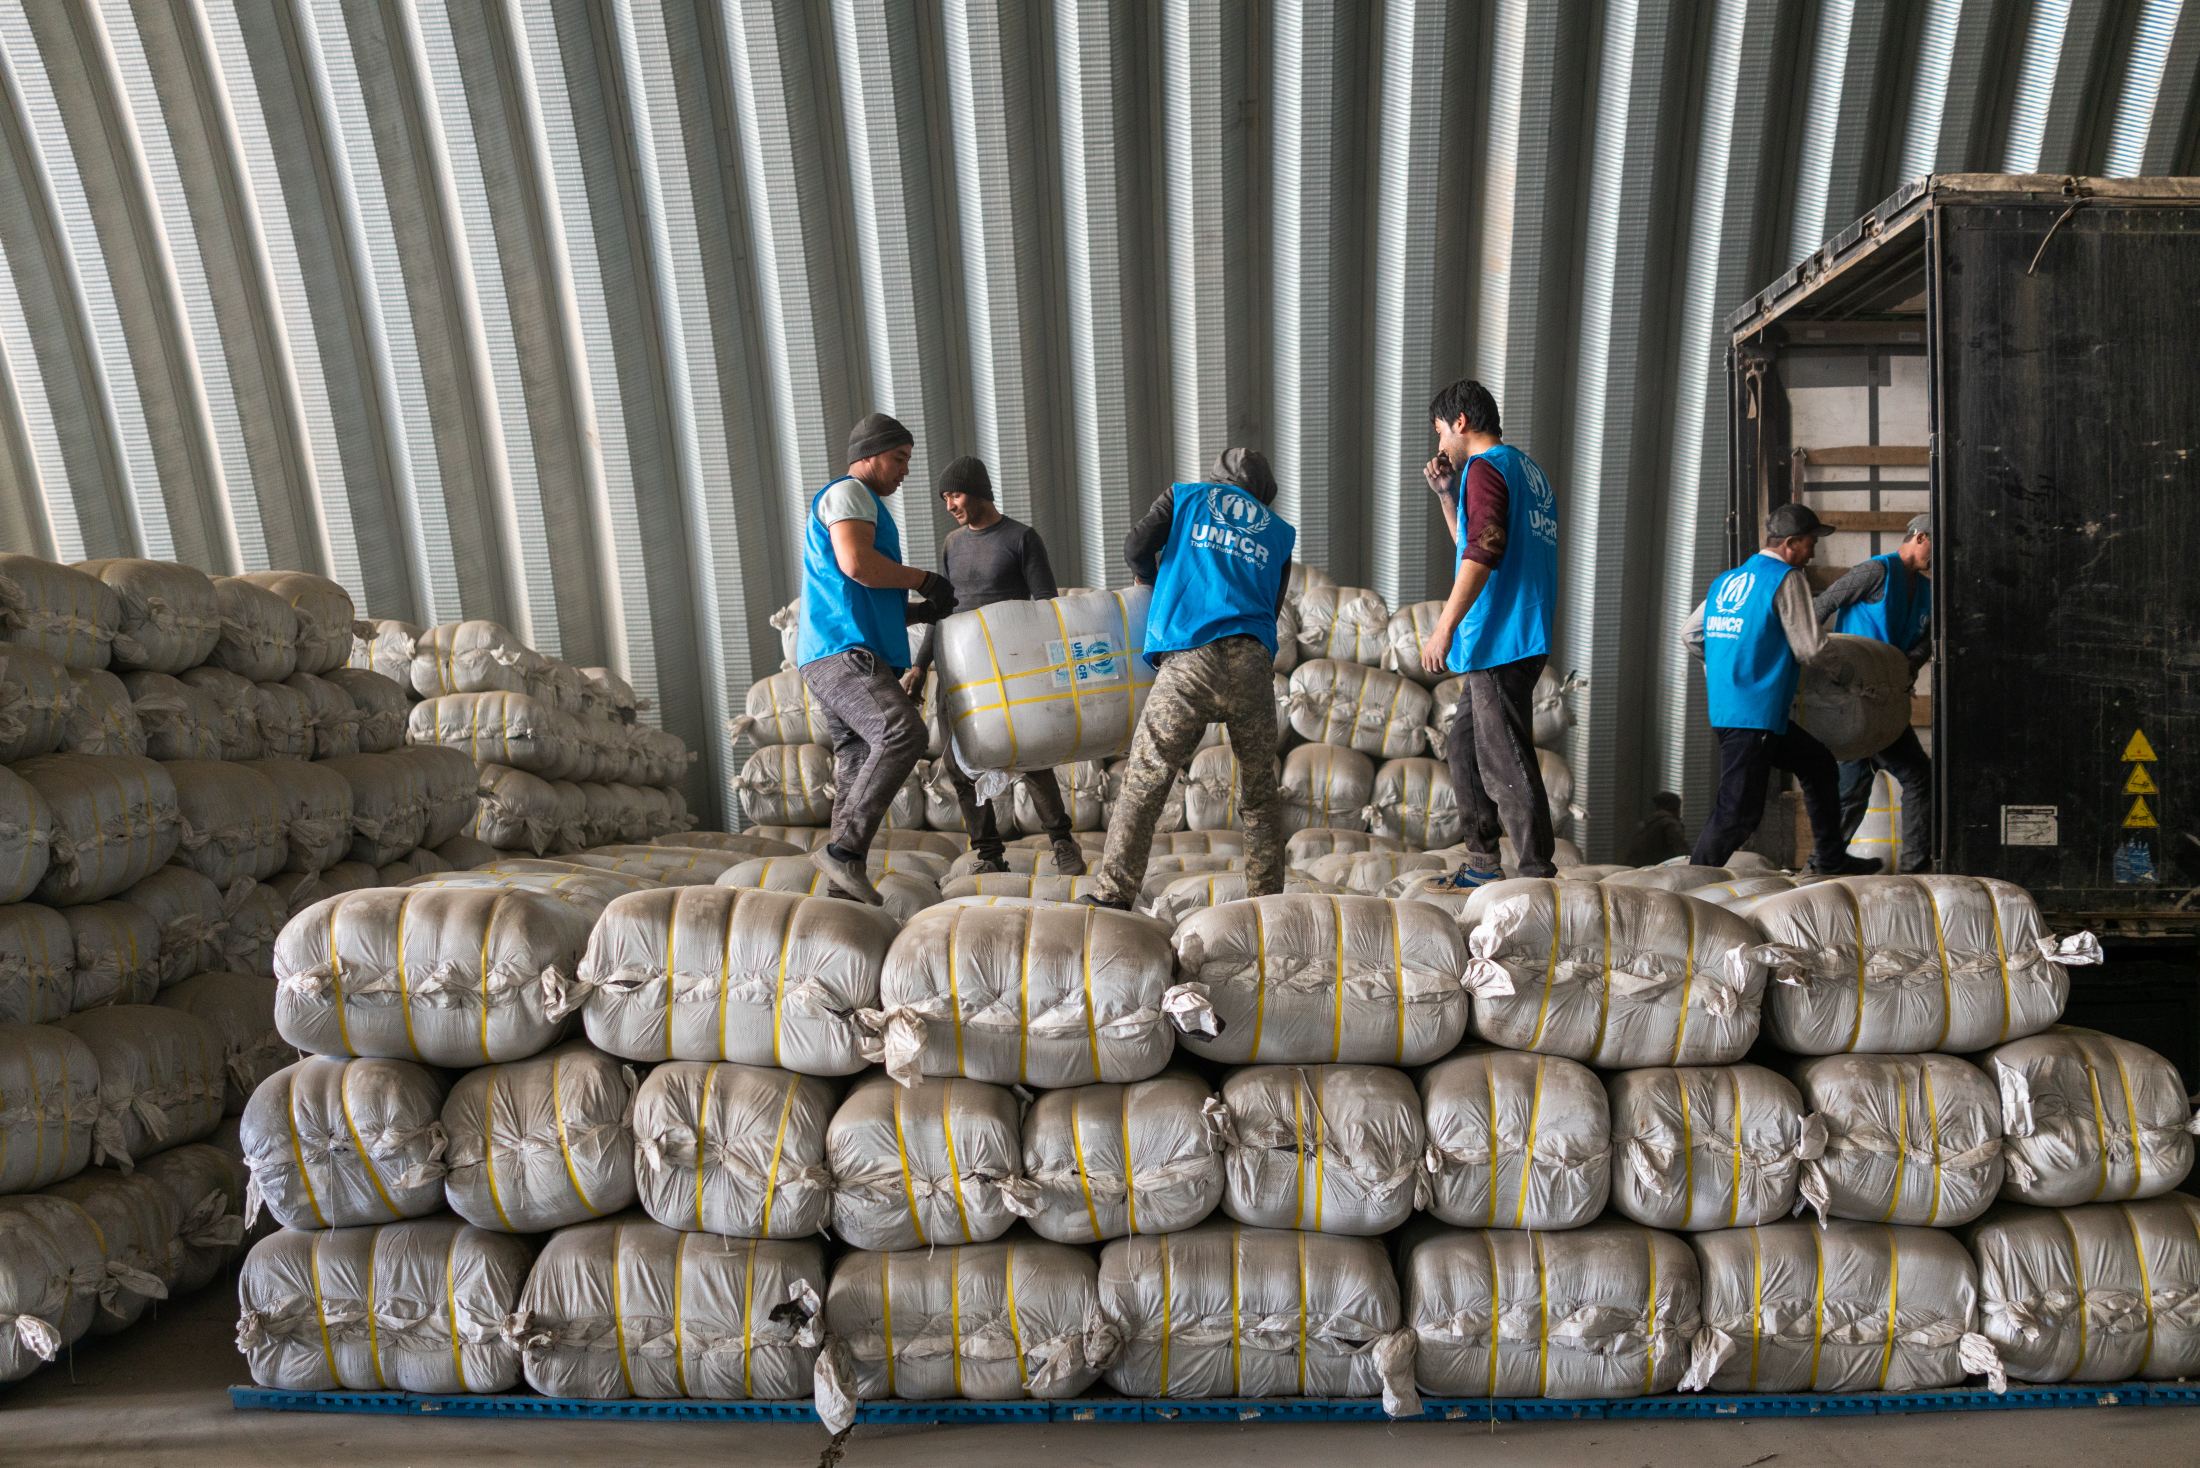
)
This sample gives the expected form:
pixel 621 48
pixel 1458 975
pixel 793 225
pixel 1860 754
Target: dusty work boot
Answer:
pixel 1848 866
pixel 1094 899
pixel 989 865
pixel 845 874
pixel 1069 857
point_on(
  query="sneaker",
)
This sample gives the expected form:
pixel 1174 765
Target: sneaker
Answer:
pixel 1069 858
pixel 1094 899
pixel 988 865
pixel 1849 866
pixel 1466 879
pixel 846 876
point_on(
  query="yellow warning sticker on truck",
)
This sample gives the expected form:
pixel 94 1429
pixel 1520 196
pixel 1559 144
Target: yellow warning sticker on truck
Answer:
pixel 2140 816
pixel 2141 783
pixel 2138 748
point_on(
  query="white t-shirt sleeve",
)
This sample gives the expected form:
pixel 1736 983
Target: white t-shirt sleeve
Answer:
pixel 845 499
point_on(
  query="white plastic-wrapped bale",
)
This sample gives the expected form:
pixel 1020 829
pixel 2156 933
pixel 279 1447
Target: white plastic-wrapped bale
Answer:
pixel 1333 1148
pixel 522 812
pixel 1607 1310
pixel 475 657
pixel 810 838
pixel 49 1080
pixel 241 1008
pixel 1302 577
pixel 235 713
pixel 1855 695
pixel 1516 1141
pixel 725 1319
pixel 334 1142
pixel 1083 784
pixel 52 1271
pixel 1844 1307
pixel 458 977
pixel 233 820
pixel 1383 715
pixel 316 807
pixel 673 866
pixel 296 891
pixel 537 1144
pixel 182 720
pixel 501 729
pixel 1222 1310
pixel 1878 837
pixel 1672 877
pixel 587 892
pixel 57 610
pixel 207 1187
pixel 389 802
pixel 985 1322
pixel 259 631
pixel 1108 1161
pixel 171 618
pixel 2089 1118
pixel 385 645
pixel 1287 637
pixel 1031 996
pixel 926 866
pixel 788 783
pixel 1349 624
pixel 1311 842
pixel 36 696
pixel 1211 790
pixel 1413 801
pixel 2100 1292
pixel 1613 976
pixel 1039 886
pixel 724 973
pixel 1738 891
pixel 418 1306
pixel 101 719
pixel 1712 1146
pixel 191 917
pixel 1031 685
pixel 780 709
pixel 381 704
pixel 936 1162
pixel 115 953
pixel 1558 788
pixel 905 896
pixel 160 1078
pixel 1189 893
pixel 331 716
pixel 1326 785
pixel 324 611
pixel 1374 873
pixel 1896 964
pixel 1298 979
pixel 284 717
pixel 136 1223
pixel 734 843
pixel 37 965
pixel 1908 1138
pixel 1548 707
pixel 1407 632
pixel 733 1149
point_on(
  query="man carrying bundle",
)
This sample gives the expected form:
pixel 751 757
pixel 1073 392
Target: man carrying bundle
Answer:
pixel 1218 559
pixel 1755 630
pixel 855 643
pixel 991 558
pixel 1890 597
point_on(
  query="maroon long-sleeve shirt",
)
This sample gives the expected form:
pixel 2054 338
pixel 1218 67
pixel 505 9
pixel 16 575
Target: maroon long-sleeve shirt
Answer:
pixel 1488 508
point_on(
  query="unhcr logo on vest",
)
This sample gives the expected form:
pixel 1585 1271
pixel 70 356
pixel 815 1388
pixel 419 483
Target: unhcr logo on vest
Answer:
pixel 1732 593
pixel 1543 506
pixel 1234 518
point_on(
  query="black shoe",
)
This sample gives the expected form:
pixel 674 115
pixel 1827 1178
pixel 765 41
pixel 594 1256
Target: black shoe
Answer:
pixel 1069 858
pixel 988 865
pixel 1094 899
pixel 1849 866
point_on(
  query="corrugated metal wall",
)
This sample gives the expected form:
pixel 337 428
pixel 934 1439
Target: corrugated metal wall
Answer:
pixel 556 311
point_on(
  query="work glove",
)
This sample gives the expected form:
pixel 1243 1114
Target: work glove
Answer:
pixel 938 590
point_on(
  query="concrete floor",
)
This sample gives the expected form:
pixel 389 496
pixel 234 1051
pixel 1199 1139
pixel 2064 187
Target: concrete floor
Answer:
pixel 155 1396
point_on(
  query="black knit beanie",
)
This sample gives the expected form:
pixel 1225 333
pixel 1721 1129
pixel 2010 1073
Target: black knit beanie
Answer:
pixel 875 435
pixel 967 475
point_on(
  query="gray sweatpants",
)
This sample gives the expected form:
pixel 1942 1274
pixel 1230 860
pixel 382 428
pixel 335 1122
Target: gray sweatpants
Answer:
pixel 878 737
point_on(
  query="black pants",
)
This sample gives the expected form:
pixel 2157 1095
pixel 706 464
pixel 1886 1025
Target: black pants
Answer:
pixel 978 819
pixel 1747 758
pixel 1912 768
pixel 1494 774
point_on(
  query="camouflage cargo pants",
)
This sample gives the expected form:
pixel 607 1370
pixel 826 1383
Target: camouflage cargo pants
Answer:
pixel 1230 682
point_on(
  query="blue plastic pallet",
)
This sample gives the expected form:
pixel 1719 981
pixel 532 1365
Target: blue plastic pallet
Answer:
pixel 1263 1409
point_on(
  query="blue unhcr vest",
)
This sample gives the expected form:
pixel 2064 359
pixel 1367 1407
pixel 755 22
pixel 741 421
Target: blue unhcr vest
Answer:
pixel 1899 614
pixel 1221 571
pixel 839 612
pixel 1749 669
pixel 1511 619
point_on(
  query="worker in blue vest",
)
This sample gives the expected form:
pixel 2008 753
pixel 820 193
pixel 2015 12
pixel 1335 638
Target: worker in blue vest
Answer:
pixel 1494 631
pixel 854 644
pixel 1218 557
pixel 1890 597
pixel 1754 631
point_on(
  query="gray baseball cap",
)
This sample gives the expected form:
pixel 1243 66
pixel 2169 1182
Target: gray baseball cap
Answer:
pixel 1791 520
pixel 1921 524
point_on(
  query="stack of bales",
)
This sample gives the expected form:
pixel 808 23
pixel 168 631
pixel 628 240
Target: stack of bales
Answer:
pixel 561 756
